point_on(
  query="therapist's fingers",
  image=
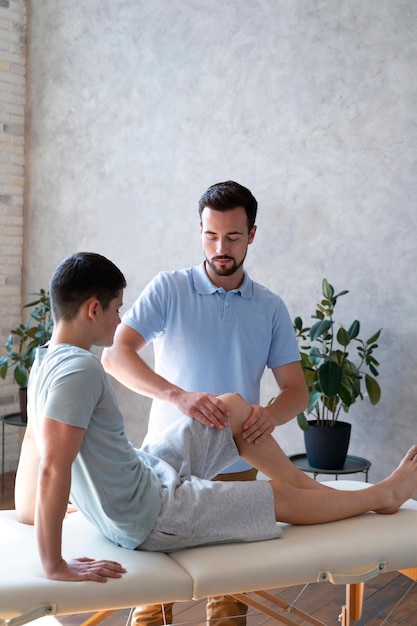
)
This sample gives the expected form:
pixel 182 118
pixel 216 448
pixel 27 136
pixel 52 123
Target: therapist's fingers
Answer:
pixel 214 412
pixel 258 425
pixel 204 407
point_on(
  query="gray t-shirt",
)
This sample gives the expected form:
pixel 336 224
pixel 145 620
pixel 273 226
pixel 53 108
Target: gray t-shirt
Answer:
pixel 111 481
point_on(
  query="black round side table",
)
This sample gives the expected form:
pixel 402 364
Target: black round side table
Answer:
pixel 11 419
pixel 353 464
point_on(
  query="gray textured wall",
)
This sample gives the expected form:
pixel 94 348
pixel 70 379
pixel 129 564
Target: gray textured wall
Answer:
pixel 136 107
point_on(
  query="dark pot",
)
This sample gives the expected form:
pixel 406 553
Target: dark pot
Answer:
pixel 23 400
pixel 327 446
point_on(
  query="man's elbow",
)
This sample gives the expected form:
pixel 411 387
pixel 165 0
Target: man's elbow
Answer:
pixel 25 516
pixel 108 358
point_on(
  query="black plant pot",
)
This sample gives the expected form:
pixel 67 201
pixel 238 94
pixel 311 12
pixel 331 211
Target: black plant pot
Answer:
pixel 327 446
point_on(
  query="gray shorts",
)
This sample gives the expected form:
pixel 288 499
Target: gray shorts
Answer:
pixel 194 510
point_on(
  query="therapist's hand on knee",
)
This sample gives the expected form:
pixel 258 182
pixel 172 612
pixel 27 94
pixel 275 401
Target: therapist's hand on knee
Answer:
pixel 258 426
pixel 207 408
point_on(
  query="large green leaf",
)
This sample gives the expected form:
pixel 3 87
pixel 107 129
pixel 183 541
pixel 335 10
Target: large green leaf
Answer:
pixel 327 289
pixel 3 368
pixel 343 337
pixel 315 356
pixel 373 389
pixel 346 392
pixel 21 375
pixel 298 323
pixel 319 328
pixel 314 397
pixel 330 376
pixel 354 329
pixel 351 377
pixel 374 337
pixel 302 421
pixel 349 369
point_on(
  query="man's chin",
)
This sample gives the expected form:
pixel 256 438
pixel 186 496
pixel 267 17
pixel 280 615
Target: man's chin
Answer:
pixel 224 271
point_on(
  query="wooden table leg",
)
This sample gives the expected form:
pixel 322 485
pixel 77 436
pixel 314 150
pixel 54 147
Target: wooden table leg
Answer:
pixel 352 611
pixel 98 617
pixel 411 573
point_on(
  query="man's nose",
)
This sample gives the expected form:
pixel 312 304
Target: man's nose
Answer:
pixel 222 245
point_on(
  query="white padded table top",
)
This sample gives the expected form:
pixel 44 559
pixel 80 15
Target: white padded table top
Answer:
pixel 346 547
pixel 350 547
pixel 152 577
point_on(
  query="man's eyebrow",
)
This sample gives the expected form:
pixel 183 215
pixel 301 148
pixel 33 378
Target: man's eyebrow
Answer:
pixel 231 232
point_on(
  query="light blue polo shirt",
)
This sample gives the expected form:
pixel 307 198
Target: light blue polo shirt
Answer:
pixel 210 340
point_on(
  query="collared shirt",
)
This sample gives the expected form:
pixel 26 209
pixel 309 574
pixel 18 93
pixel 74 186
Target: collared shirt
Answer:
pixel 210 340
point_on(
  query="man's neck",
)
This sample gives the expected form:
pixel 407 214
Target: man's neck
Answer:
pixel 66 333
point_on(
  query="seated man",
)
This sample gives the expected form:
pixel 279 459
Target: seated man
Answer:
pixel 159 497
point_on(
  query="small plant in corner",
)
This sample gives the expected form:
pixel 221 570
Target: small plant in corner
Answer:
pixel 23 340
pixel 335 377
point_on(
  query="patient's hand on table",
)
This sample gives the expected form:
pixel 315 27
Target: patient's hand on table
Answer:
pixel 87 569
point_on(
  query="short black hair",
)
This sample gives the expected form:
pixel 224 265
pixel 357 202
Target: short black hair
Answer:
pixel 229 195
pixel 81 276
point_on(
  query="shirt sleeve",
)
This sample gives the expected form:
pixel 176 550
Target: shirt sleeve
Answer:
pixel 147 316
pixel 284 347
pixel 75 392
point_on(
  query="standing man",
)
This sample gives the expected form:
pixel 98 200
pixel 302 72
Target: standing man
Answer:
pixel 214 330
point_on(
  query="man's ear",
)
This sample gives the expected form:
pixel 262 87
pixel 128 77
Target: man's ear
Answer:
pixel 92 306
pixel 252 234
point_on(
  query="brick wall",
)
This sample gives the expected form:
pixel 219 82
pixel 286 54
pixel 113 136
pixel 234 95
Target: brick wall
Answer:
pixel 12 105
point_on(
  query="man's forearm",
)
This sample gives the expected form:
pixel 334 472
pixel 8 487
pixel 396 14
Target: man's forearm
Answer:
pixel 127 367
pixel 51 507
pixel 287 405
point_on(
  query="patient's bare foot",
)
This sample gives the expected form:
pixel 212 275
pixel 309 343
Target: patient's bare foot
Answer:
pixel 401 484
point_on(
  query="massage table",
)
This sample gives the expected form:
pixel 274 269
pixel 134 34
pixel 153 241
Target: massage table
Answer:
pixel 346 552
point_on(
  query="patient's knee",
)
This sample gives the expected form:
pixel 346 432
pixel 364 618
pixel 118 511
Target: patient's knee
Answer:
pixel 238 407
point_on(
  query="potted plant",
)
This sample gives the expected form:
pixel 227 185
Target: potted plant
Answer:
pixel 23 341
pixel 335 377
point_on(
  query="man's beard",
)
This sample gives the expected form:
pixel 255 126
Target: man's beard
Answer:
pixel 225 271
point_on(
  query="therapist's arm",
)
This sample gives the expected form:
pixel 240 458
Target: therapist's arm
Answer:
pixel 291 400
pixel 123 361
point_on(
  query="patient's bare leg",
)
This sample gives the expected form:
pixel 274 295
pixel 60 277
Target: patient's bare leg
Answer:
pixel 306 506
pixel 267 457
pixel 299 499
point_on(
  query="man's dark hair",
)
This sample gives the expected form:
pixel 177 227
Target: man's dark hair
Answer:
pixel 82 276
pixel 229 195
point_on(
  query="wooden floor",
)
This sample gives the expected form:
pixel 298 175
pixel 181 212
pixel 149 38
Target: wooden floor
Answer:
pixel 390 599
